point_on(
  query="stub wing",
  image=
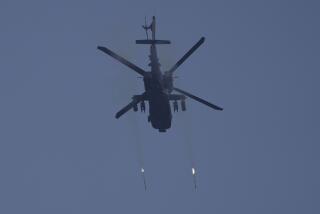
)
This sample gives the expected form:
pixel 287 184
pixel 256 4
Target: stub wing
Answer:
pixel 135 100
pixel 176 97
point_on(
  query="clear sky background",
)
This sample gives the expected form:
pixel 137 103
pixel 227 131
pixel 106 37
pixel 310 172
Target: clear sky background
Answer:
pixel 62 150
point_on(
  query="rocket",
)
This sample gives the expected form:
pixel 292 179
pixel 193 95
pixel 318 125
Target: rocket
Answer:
pixel 194 178
pixel 144 179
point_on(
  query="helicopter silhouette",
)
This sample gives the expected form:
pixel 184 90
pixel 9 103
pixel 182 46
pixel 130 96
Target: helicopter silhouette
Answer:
pixel 158 86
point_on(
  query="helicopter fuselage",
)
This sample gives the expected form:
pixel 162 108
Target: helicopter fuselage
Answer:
pixel 157 92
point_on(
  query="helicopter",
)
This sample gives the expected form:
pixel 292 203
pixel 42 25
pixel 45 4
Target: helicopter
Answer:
pixel 158 85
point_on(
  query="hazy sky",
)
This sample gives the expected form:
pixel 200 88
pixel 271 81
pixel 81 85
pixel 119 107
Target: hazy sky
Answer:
pixel 62 150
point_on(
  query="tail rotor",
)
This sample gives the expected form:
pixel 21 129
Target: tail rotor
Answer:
pixel 145 27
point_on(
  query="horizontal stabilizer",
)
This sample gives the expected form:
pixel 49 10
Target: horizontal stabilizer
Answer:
pixel 151 41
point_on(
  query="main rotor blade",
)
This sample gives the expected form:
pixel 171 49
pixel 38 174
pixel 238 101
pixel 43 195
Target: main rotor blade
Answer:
pixel 198 99
pixel 195 47
pixel 122 60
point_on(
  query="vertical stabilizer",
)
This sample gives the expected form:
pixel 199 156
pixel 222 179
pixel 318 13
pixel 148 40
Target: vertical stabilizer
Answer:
pixel 153 40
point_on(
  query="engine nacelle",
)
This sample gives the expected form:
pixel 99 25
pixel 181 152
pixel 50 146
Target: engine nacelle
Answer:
pixel 168 81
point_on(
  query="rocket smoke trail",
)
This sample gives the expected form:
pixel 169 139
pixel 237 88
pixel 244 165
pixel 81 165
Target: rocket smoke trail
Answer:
pixel 167 60
pixel 138 146
pixel 127 50
pixel 188 138
pixel 194 178
pixel 144 179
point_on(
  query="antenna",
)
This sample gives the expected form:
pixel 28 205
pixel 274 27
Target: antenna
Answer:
pixel 145 27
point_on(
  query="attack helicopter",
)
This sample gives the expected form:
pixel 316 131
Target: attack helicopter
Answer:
pixel 158 85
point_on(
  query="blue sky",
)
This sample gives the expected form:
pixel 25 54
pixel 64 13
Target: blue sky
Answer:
pixel 62 150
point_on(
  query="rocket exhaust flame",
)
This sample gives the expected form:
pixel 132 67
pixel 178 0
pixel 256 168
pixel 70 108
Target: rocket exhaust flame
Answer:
pixel 194 178
pixel 144 179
